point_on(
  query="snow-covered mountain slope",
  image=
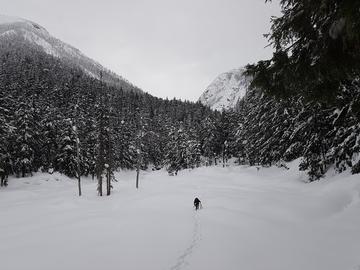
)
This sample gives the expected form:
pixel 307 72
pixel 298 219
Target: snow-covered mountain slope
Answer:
pixel 225 91
pixel 14 29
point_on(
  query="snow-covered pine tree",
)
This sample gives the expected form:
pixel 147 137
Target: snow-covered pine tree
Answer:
pixel 125 149
pixel 4 153
pixel 66 160
pixel 88 136
pixel 50 131
pixel 318 140
pixel 154 141
pixel 226 125
pixel 174 152
pixel 25 140
pixel 193 150
pixel 105 142
pixel 316 50
pixel 182 150
pixel 209 137
pixel 110 142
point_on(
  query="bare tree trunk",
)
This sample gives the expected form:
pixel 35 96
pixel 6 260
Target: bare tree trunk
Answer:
pixel 137 173
pixel 100 185
pixel 138 163
pixel 139 141
pixel 108 182
pixel 78 166
pixel 100 163
pixel 78 161
pixel 223 157
pixel 109 152
pixel 79 185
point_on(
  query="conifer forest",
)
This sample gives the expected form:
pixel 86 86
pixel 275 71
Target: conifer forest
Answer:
pixel 302 103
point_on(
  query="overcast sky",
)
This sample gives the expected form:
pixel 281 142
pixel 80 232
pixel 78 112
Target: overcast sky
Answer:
pixel 168 48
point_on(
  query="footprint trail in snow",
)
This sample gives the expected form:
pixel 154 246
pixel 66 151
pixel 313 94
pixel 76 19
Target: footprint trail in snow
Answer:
pixel 196 237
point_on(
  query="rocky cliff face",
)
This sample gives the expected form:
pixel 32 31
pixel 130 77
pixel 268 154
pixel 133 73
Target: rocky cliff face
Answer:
pixel 226 90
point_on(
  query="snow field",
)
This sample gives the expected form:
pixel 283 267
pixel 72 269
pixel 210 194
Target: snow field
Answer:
pixel 254 220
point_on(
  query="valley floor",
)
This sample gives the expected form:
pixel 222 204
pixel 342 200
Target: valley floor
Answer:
pixel 266 219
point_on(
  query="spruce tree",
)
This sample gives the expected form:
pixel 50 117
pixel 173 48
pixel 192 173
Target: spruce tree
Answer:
pixel 26 144
pixel 67 156
pixel 316 50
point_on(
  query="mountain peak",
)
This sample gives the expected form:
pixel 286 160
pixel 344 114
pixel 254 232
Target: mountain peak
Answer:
pixel 226 90
pixel 17 22
pixel 34 35
pixel 4 19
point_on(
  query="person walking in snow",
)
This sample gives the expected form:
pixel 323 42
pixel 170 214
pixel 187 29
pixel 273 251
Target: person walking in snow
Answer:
pixel 197 204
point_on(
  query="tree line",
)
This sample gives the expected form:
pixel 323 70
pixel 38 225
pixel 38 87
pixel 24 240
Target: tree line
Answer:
pixel 53 117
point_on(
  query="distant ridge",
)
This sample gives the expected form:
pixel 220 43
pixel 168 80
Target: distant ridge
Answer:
pixel 13 28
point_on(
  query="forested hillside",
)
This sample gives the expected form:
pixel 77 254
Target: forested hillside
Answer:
pixel 50 110
pixel 26 33
pixel 304 103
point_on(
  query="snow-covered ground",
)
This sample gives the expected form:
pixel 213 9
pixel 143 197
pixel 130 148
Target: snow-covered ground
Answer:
pixel 266 219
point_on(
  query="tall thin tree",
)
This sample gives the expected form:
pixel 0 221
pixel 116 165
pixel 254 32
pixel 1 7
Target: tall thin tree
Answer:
pixel 138 146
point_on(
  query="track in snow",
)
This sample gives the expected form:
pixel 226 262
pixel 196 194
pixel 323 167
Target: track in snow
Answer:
pixel 196 237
